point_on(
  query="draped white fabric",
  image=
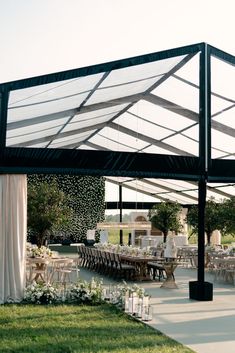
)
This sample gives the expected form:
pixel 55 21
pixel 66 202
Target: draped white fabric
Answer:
pixel 13 227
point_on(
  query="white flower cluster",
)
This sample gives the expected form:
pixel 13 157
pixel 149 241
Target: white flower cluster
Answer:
pixel 41 293
pixel 84 292
pixel 120 293
pixel 124 288
pixel 35 251
pixel 124 249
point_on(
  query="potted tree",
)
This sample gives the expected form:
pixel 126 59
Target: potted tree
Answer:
pixel 47 210
pixel 165 216
pixel 218 216
pixel 214 218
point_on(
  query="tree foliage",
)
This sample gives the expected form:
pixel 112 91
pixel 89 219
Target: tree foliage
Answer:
pixel 47 209
pixel 165 216
pixel 219 216
pixel 228 216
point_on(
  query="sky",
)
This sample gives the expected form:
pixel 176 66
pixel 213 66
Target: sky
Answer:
pixel 44 36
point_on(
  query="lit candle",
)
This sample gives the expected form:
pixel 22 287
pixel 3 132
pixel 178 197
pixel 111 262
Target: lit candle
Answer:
pixel 130 305
pixel 146 300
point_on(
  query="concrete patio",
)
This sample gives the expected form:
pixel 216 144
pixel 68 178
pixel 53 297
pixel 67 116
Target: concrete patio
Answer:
pixel 205 327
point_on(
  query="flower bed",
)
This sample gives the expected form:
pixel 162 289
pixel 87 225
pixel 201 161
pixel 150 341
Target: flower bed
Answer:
pixel 133 299
pixel 41 293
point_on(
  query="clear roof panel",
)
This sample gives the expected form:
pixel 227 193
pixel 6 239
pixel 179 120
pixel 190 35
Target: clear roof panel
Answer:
pixel 230 190
pixel 157 150
pixel 40 127
pixel 121 138
pixel 146 187
pixel 51 91
pixel 179 93
pixel 222 84
pixel 141 72
pixel 115 92
pixel 50 98
pixel 73 139
pixel 222 78
pixel 218 105
pixel 87 123
pixel 31 137
pixel 97 113
pixel 160 116
pixel 132 80
pixel 189 146
pixel 227 117
pixel 49 107
pixel 190 71
pixel 178 190
pixel 143 127
pixel 106 143
pixel 152 107
pixel 222 141
pixel 174 184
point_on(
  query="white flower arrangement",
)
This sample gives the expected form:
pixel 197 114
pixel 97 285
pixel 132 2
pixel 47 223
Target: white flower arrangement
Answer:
pixel 124 249
pixel 35 251
pixel 41 293
pixel 146 251
pixel 123 290
pixel 84 292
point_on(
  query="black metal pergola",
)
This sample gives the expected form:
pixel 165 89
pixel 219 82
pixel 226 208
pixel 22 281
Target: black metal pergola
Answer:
pixel 126 119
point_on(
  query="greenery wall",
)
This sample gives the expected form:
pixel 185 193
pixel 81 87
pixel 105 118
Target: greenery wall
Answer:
pixel 86 196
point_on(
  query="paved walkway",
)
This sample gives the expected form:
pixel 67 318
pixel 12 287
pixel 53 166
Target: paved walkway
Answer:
pixel 205 327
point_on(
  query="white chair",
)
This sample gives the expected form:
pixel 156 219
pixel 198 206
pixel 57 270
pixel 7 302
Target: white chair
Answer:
pixel 62 268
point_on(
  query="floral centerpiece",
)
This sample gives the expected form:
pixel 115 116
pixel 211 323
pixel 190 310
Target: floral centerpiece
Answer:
pixel 146 251
pixel 124 249
pixel 35 251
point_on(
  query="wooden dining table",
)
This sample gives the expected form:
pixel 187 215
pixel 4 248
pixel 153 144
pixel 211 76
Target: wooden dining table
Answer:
pixel 38 268
pixel 140 263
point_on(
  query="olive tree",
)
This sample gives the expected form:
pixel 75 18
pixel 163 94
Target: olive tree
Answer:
pixel 47 209
pixel 228 216
pixel 215 217
pixel 165 216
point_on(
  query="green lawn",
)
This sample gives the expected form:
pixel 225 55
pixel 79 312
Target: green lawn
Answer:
pixel 114 236
pixel 68 328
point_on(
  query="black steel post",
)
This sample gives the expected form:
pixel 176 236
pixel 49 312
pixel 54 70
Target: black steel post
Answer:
pixel 201 290
pixel 120 217
pixel 3 119
pixel 201 229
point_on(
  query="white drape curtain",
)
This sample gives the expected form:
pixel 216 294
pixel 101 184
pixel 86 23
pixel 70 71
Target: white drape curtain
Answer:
pixel 13 227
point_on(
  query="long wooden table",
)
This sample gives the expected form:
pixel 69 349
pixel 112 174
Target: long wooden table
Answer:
pixel 141 265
